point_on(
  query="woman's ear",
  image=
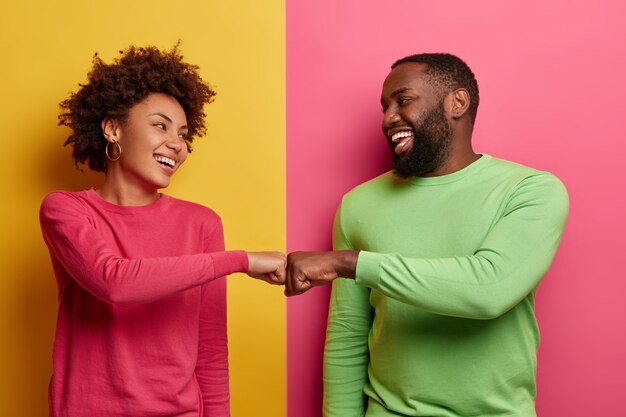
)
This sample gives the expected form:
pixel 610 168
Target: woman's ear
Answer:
pixel 110 129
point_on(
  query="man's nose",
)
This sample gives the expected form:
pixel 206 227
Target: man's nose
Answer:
pixel 391 116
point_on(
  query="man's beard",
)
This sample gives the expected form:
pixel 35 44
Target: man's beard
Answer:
pixel 431 145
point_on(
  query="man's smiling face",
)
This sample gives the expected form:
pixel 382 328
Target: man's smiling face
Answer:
pixel 414 121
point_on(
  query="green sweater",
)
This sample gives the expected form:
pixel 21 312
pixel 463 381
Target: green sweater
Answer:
pixel 440 318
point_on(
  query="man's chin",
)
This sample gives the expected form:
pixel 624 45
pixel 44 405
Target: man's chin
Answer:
pixel 402 171
pixel 400 174
pixel 401 167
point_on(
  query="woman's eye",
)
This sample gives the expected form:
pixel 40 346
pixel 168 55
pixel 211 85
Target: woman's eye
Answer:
pixel 160 126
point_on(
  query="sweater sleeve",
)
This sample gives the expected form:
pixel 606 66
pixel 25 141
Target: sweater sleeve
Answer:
pixel 507 266
pixel 212 365
pixel 87 258
pixel 346 353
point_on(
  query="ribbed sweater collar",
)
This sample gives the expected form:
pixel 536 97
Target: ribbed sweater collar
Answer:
pixel 95 199
pixel 455 176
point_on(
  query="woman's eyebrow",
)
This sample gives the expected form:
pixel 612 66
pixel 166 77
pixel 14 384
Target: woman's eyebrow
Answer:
pixel 162 115
pixel 168 119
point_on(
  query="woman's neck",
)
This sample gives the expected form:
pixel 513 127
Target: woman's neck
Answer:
pixel 124 194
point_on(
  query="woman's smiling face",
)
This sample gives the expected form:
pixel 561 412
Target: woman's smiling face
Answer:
pixel 153 142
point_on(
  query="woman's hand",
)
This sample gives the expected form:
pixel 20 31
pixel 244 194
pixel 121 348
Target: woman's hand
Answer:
pixel 267 266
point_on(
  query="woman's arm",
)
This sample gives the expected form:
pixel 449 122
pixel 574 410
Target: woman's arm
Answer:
pixel 88 259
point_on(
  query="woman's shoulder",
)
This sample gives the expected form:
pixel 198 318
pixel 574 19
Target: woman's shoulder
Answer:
pixel 64 206
pixel 63 198
pixel 191 208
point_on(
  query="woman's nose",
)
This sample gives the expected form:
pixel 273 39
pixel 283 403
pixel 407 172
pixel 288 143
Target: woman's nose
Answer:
pixel 175 143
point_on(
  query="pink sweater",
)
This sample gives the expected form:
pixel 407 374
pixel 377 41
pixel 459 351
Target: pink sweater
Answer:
pixel 141 327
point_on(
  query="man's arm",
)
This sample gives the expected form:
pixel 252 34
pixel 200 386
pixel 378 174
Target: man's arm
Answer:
pixel 506 267
pixel 346 353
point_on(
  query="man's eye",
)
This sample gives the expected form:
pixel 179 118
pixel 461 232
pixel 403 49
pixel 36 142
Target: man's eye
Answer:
pixel 404 100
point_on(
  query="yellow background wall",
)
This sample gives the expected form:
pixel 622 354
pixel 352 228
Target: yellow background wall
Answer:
pixel 238 169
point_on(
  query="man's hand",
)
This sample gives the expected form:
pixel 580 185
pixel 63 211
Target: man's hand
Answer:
pixel 306 270
pixel 267 266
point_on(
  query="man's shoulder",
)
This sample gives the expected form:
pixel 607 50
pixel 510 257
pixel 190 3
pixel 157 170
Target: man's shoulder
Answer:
pixel 510 167
pixel 502 170
pixel 384 180
pixel 372 187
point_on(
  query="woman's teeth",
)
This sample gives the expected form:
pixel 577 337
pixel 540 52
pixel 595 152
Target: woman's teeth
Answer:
pixel 165 161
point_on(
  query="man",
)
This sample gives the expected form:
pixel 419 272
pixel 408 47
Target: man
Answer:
pixel 445 253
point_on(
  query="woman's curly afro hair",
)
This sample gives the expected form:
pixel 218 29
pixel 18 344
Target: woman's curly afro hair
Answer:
pixel 112 89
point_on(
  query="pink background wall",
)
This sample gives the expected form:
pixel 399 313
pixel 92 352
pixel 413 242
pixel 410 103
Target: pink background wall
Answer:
pixel 551 77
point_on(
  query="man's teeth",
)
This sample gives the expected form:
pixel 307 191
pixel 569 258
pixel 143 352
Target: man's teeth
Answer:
pixel 165 161
pixel 401 135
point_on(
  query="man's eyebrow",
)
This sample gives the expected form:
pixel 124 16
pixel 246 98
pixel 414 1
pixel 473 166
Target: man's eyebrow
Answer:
pixel 400 91
pixel 396 92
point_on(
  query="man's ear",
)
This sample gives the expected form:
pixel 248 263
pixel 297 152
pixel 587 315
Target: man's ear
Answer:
pixel 110 129
pixel 459 103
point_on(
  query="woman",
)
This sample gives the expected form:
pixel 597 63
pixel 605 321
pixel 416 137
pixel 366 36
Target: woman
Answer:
pixel 141 327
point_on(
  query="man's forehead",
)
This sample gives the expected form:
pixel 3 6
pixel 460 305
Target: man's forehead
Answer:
pixel 408 75
pixel 408 71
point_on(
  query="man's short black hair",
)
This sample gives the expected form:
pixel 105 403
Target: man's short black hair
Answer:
pixel 449 72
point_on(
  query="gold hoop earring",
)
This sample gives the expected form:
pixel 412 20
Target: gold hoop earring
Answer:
pixel 117 153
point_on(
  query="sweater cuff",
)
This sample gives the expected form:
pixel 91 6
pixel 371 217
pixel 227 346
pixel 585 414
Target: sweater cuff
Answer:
pixel 229 262
pixel 368 269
